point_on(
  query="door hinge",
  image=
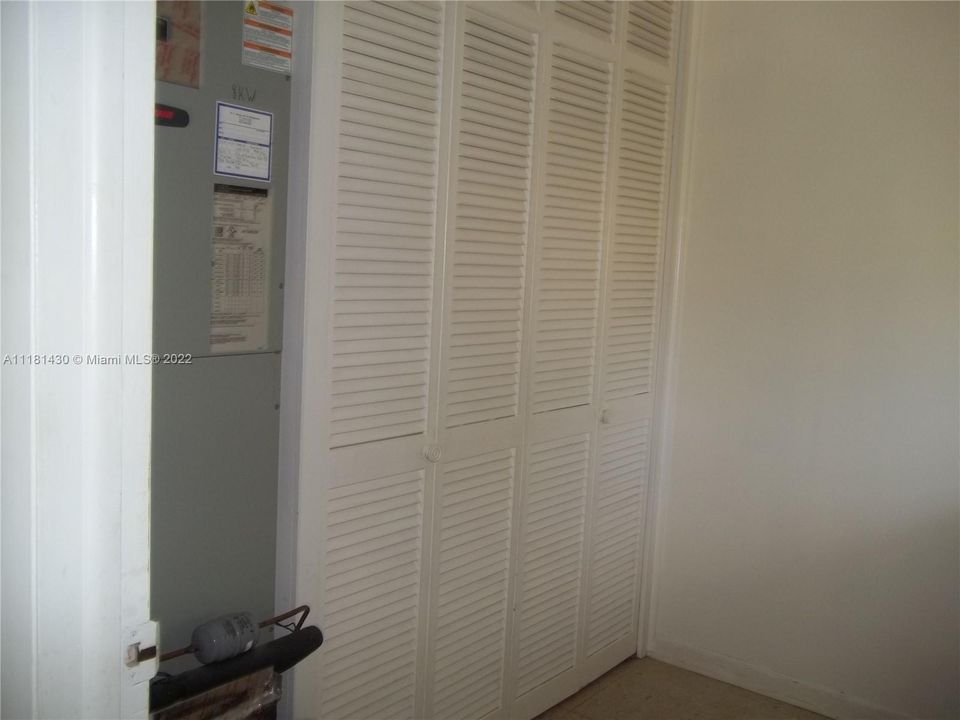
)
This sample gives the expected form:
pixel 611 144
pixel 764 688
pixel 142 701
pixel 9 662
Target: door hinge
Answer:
pixel 140 655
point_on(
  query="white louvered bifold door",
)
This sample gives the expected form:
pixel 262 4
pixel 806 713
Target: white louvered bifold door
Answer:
pixel 634 239
pixel 488 187
pixel 562 420
pixel 480 416
pixel 384 291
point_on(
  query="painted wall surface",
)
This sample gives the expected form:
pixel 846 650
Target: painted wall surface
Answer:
pixel 810 528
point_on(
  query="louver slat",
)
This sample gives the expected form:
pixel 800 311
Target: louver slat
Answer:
pixel 550 561
pixel 373 535
pixel 474 548
pixel 650 27
pixel 490 233
pixel 386 207
pixel 595 15
pixel 617 528
pixel 640 177
pixel 568 273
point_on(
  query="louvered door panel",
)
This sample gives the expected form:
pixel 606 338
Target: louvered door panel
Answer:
pixel 593 15
pixel 551 560
pixel 650 27
pixel 489 210
pixel 570 232
pixel 616 531
pixel 370 611
pixel 476 494
pixel 489 201
pixel 386 207
pixel 490 228
pixel 632 281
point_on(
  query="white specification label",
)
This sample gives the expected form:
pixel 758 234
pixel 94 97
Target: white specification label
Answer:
pixel 244 142
pixel 240 268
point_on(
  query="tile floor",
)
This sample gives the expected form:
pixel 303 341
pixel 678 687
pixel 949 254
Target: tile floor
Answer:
pixel 650 690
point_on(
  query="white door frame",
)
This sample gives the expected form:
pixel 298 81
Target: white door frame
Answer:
pixel 671 273
pixel 76 207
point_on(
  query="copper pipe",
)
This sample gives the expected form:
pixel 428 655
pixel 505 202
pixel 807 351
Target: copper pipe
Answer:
pixel 276 620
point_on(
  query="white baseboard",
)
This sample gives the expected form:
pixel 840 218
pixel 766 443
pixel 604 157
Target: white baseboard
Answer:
pixel 825 701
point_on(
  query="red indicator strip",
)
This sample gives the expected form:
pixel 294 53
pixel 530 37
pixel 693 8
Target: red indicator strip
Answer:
pixel 264 48
pixel 169 116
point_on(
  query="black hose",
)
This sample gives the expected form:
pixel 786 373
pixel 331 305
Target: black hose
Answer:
pixel 280 654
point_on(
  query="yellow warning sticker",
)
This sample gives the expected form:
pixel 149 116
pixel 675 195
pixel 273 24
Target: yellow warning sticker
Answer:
pixel 251 8
pixel 268 35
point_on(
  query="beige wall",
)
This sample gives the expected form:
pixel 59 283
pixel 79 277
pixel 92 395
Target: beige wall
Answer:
pixel 810 529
